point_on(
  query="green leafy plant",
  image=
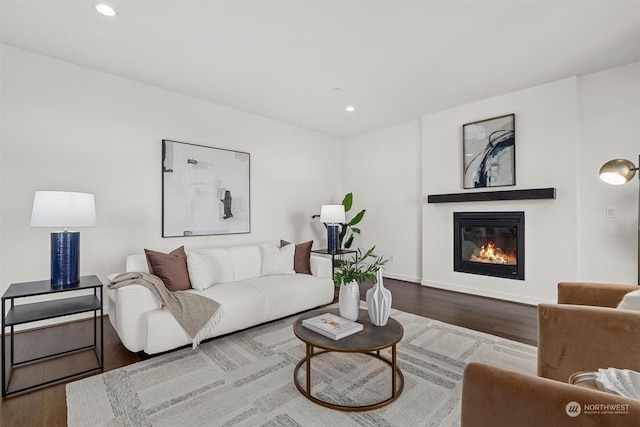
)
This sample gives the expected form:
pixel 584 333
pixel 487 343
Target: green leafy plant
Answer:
pixel 348 231
pixel 359 270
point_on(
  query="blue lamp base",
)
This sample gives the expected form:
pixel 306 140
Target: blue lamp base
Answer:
pixel 65 258
pixel 332 238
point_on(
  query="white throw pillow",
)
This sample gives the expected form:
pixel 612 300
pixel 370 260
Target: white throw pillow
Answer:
pixel 247 262
pixel 631 301
pixel 201 272
pixel 277 260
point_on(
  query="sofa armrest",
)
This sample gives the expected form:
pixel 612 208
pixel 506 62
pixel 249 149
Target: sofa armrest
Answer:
pixel 496 397
pixel 574 338
pixel 321 266
pixel 597 294
pixel 129 310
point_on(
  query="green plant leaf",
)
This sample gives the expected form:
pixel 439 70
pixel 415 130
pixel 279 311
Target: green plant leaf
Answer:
pixel 368 253
pixel 355 230
pixel 349 242
pixel 347 202
pixel 343 231
pixel 356 219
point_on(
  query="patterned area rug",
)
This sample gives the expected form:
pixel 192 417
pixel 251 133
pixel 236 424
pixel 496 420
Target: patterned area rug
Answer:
pixel 246 379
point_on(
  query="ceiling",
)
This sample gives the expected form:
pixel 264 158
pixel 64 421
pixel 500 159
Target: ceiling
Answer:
pixel 283 59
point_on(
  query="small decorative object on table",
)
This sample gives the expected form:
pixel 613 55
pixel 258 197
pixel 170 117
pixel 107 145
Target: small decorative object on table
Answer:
pixel 353 273
pixel 349 300
pixel 379 302
pixel 332 326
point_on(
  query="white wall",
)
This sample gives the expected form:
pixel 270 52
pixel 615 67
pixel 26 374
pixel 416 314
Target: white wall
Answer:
pixel 66 127
pixel 609 107
pixel 546 135
pixel 383 169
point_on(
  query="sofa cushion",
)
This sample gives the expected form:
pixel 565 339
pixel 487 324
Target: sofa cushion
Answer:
pixel 288 294
pixel 201 272
pixel 137 263
pixel 277 261
pixel 208 267
pixel 243 307
pixel 171 268
pixel 302 256
pixel 247 262
pixel 631 301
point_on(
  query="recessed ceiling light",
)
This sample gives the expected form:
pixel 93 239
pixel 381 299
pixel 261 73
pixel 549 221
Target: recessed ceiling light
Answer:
pixel 350 108
pixel 105 9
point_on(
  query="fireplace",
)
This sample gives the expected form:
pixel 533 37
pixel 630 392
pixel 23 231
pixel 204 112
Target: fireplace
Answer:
pixel 489 243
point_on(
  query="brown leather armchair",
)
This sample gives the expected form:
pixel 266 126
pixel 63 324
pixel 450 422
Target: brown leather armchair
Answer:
pixel 583 332
pixel 496 397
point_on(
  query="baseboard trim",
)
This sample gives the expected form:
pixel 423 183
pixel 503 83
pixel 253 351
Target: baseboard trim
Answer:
pixel 402 277
pixel 486 294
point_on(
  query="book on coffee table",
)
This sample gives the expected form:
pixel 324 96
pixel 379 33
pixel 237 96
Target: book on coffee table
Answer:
pixel 332 326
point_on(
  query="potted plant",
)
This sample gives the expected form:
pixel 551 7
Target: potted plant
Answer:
pixel 364 268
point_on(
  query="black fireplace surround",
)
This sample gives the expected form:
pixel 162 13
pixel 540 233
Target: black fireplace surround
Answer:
pixel 489 243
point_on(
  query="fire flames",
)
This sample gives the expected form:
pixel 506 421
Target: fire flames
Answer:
pixel 492 255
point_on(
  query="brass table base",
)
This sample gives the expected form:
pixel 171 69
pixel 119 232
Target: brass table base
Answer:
pixel 397 381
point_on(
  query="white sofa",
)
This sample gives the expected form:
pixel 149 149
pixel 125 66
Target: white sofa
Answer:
pixel 247 297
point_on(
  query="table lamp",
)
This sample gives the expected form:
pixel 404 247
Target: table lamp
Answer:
pixel 64 209
pixel 332 215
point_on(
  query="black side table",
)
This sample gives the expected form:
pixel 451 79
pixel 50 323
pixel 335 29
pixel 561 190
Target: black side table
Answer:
pixel 19 314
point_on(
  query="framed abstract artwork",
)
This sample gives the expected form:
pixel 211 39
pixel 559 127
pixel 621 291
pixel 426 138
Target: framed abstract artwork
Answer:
pixel 489 152
pixel 205 190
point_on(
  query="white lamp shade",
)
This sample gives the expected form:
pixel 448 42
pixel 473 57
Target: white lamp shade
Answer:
pixel 613 178
pixel 332 214
pixel 63 209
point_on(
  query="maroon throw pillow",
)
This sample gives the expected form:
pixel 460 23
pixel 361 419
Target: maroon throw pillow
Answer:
pixel 301 256
pixel 171 268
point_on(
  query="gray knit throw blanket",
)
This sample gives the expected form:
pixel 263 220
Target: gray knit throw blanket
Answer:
pixel 196 314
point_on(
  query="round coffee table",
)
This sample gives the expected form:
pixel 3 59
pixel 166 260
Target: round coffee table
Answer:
pixel 369 341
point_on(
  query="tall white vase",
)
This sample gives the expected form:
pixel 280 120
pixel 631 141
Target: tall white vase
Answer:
pixel 379 302
pixel 349 300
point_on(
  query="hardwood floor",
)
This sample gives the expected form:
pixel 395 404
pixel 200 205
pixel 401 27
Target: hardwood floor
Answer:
pixel 47 407
pixel 506 319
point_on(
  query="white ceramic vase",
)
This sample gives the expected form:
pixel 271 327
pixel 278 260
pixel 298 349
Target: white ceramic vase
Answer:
pixel 379 302
pixel 349 300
